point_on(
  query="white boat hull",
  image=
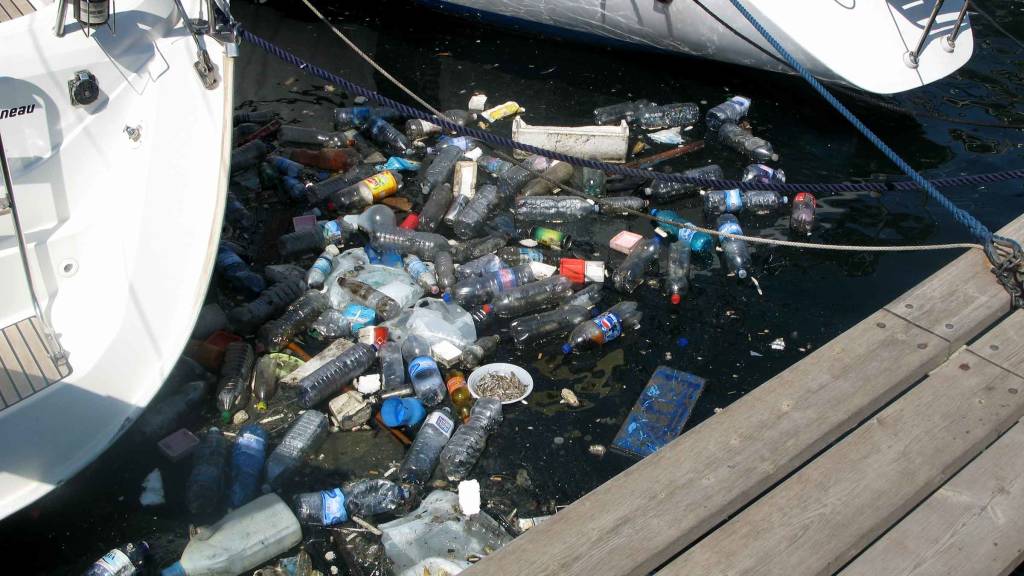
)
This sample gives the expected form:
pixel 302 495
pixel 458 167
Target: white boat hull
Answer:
pixel 856 42
pixel 121 233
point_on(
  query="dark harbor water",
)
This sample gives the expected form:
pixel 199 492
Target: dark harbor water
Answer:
pixel 809 297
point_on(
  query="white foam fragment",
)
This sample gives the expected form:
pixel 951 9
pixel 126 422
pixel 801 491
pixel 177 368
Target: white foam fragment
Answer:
pixel 469 497
pixel 152 489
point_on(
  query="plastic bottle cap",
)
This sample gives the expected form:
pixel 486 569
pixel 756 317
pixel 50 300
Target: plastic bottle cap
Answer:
pixel 682 342
pixel 447 297
pixel 676 299
pixel 402 412
pixel 566 348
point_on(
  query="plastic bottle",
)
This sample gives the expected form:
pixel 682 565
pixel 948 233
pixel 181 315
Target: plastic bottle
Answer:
pixel 557 172
pixel 334 323
pixel 257 116
pixel 483 317
pixel 321 267
pixel 662 191
pixel 587 297
pixel 276 334
pixel 320 191
pixel 554 208
pixel 468 442
pixel 242 540
pixel 420 272
pixel 736 253
pixel 464 143
pixel 124 560
pixel 732 110
pixel 385 306
pixel 423 371
pixel 164 416
pixel 313 240
pixel 422 244
pixel 235 375
pixel 248 155
pixel 236 213
pixel 551 238
pixel 534 296
pixel 304 436
pixel 604 328
pixel 271 302
pixel 472 249
pixel 678 283
pixel 422 457
pixel 207 481
pixel 371 156
pixel 478 208
pixel 757 149
pixel 392 367
pixel 434 208
pixel 328 379
pixel 590 181
pixel 440 170
pixel 631 272
pixel 367 191
pixel 621 205
pixel 614 113
pixel 801 219
pixel 669 115
pixel 493 165
pixel 357 116
pixel 762 173
pixel 366 497
pixel 333 159
pixel 247 461
pixel 383 133
pixel 416 129
pixel 264 381
pixel 444 269
pixel 481 289
pixel 512 180
pixel 402 412
pixel 480 266
pixel 300 136
pixel 237 273
pixel 699 242
pixel 529 330
pixel 459 393
pixel 474 354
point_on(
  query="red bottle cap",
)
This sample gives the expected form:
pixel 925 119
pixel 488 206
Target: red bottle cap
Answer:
pixel 676 299
pixel 805 196
pixel 411 222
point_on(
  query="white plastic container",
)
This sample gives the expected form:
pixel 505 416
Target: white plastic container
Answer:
pixel 244 539
pixel 500 368
pixel 605 143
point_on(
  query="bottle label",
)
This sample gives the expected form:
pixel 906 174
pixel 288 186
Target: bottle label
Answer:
pixel 331 229
pixel 323 264
pixel 594 270
pixel 417 268
pixel 116 563
pixel 506 278
pixel 334 507
pixel 358 316
pixel 548 237
pixel 381 185
pixel 733 200
pixel 730 227
pixel 441 421
pixel 610 325
pixel 531 254
pixel 742 103
pixel 251 441
pixel 455 382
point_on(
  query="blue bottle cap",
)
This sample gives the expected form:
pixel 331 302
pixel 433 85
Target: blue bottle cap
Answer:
pixel 175 569
pixel 682 342
pixel 447 297
pixel 566 348
pixel 654 211
pixel 402 412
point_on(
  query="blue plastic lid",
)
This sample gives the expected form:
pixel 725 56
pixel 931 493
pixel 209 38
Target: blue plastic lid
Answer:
pixel 682 342
pixel 175 569
pixel 654 211
pixel 566 348
pixel 402 412
pixel 447 297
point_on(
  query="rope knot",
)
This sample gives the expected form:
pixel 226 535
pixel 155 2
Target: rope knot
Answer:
pixel 1007 258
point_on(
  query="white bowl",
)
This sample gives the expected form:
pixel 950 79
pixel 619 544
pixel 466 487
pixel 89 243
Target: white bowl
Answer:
pixel 500 368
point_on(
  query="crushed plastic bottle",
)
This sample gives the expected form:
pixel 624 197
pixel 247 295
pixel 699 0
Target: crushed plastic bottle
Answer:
pixel 385 306
pixel 328 380
pixel 434 208
pixel 802 216
pixel 474 354
pixel 276 334
pixel 208 479
pixel 367 191
pixel 765 174
pixel 631 272
pixel 383 133
pixel 678 283
pixel 444 269
pixel 233 269
pixel 481 266
pixel 422 273
pixel 663 191
pixel 423 371
pixel 458 391
pixel 682 114
pixel 732 110
pixel 440 170
pixel 757 149
pixel 517 255
pixel 304 436
pixel 615 113
pixel 621 205
pixel 604 328
pixel 321 267
pixel 423 455
pixel 554 208
pixel 422 244
pixel 735 201
pixel 736 253
pixel 532 296
pixel 235 374
pixel 392 366
pixel 469 220
pixel 468 442
pixel 529 330
pixel 247 460
pixel 124 560
pixel 554 175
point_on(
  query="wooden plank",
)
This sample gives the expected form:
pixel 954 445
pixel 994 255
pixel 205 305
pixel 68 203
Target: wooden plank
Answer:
pixel 825 514
pixel 642 517
pixel 7 391
pixel 29 363
pixel 1001 348
pixel 4 14
pixel 39 350
pixel 14 368
pixel 960 300
pixel 972 526
pixel 23 6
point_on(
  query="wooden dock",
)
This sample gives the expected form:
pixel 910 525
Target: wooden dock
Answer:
pixel 893 449
pixel 11 9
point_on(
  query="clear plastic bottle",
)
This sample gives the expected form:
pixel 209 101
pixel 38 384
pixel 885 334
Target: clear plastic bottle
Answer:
pixel 367 191
pixel 363 498
pixel 248 155
pixel 264 381
pixel 732 110
pixel 333 159
pixel 334 323
pixel 762 173
pixel 555 174
pixel 801 219
pixel 300 136
pixel 512 180
pixel 757 149
pixel 208 479
pixel 324 508
pixel 321 267
pixel 235 375
pixel 736 253
pixel 313 240
pixel 236 213
pixel 493 165
pixel 631 272
pixel 304 436
pixel 371 156
pixel 276 334
pixel 423 371
pixel 257 116
pixel 422 244
pixel 124 560
pixel 735 201
pixel 478 247
pixel 357 116
pixel 328 379
pixel 604 328
pixel 237 273
pixel 483 317
pixel 435 207
pixel 165 415
pixel 416 129
pixel 392 366
pixel 678 282
pixel 588 297
pixel 699 242
pixel 535 328
pixel 247 460
pixel 468 442
pixel 444 269
pixel 271 302
pixel 422 273
pixel 614 113
pixel 669 115
pixel 383 133
pixel 483 348
pixel 458 391
pixel 479 267
pixel 621 205
pixel 440 170
pixel 478 208
pixel 590 181
pixel 385 306
pixel 482 289
pixel 321 191
pixel 662 191
pixel 533 297
pixel 422 457
pixel 554 208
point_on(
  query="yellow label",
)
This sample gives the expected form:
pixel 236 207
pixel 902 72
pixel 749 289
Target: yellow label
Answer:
pixel 502 111
pixel 381 185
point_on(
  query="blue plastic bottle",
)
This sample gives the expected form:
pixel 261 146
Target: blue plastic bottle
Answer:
pixel 206 483
pixel 423 371
pixel 237 272
pixel 247 460
pixel 700 242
